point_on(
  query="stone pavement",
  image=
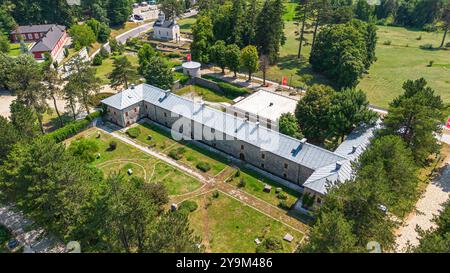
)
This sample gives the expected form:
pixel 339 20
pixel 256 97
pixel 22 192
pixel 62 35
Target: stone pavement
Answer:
pixel 24 232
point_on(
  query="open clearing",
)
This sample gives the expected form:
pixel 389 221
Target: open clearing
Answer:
pixel 231 226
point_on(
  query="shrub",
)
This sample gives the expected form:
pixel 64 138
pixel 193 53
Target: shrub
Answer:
pixel 84 149
pixel 98 60
pixel 427 46
pixel 388 42
pixel 447 44
pixel 188 206
pixel 112 145
pixel 430 64
pixel 242 183
pixel 177 154
pixel 307 200
pixel 270 245
pixel 134 132
pixel 204 166
pixel 96 100
pixel 72 128
pixel 216 194
pixel 419 38
pixel 238 173
pixel 283 205
pixel 4 235
pixel 282 196
pixel 104 53
pixel 230 90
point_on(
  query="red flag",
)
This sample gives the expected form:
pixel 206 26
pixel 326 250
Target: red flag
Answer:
pixel 284 81
pixel 447 125
pixel 188 57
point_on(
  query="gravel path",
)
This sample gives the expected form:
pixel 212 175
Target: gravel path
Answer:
pixel 430 204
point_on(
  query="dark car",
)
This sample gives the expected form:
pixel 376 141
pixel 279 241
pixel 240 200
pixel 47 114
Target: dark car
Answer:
pixel 138 17
pixel 13 244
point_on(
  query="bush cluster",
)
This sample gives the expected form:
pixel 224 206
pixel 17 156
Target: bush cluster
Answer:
pixel 204 166
pixel 134 132
pixel 73 128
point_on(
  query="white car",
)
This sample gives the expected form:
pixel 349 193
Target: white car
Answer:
pixel 144 4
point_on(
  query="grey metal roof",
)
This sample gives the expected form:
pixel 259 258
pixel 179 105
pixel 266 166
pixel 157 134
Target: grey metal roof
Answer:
pixel 50 39
pixel 354 145
pixel 165 24
pixel 306 154
pixel 33 28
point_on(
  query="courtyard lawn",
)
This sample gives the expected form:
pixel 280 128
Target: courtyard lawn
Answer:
pixel 126 157
pixel 227 225
pixel 186 24
pixel 205 93
pixel 402 60
pixel 103 70
pixel 254 185
pixel 192 155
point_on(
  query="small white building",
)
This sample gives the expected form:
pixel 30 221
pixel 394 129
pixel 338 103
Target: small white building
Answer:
pixel 166 29
pixel 191 69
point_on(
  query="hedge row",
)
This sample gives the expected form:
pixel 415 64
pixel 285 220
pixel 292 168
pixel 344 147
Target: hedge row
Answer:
pixel 73 128
pixel 230 90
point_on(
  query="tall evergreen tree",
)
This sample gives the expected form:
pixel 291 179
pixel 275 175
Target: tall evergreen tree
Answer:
pixel 416 116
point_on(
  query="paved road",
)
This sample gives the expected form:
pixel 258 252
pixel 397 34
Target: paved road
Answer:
pixel 430 205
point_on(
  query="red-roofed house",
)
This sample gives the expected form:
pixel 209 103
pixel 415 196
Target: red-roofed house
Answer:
pixel 46 38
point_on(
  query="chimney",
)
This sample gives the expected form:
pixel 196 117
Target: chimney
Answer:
pixel 338 166
pixel 132 86
pixel 303 141
pixel 257 124
pixel 354 148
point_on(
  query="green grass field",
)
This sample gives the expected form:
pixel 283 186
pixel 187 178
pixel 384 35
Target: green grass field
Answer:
pixel 126 157
pixel 103 70
pixel 186 24
pixel 403 59
pixel 227 225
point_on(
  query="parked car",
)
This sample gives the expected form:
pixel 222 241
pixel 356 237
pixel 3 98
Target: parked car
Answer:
pixel 138 17
pixel 13 244
pixel 144 4
pixel 135 5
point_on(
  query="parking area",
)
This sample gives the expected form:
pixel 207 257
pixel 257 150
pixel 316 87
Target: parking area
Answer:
pixel 147 12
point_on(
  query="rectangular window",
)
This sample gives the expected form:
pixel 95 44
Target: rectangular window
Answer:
pixel 285 175
pixel 285 165
pixel 165 115
pixel 126 114
pixel 263 156
pixel 135 110
pixel 242 147
pixel 235 114
pixel 262 165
